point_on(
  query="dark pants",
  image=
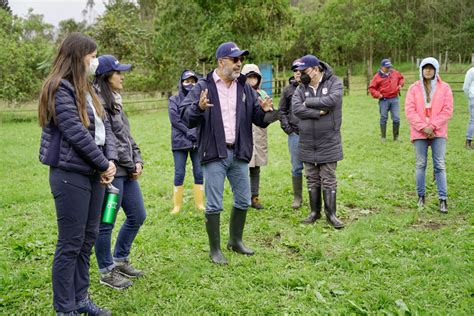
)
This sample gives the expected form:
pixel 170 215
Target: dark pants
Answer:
pixel 78 199
pixel 321 175
pixel 254 180
pixel 180 157
pixel 131 201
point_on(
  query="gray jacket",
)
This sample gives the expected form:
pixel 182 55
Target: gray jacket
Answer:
pixel 128 151
pixel 320 136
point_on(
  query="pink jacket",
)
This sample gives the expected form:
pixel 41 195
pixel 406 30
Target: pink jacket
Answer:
pixel 441 110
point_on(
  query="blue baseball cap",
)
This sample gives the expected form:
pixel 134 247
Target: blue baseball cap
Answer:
pixel 188 74
pixel 295 64
pixel 109 63
pixel 229 49
pixel 306 62
pixel 386 63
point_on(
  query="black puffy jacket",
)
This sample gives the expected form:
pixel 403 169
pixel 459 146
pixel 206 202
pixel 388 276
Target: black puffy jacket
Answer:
pixel 320 136
pixel 68 144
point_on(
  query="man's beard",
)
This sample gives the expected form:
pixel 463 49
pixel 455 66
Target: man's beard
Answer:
pixel 231 74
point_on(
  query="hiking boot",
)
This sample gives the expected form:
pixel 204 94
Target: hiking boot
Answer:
pixel 73 313
pixel 115 280
pixel 256 203
pixel 127 270
pixel 88 307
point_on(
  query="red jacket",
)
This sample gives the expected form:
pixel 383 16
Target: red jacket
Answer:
pixel 386 86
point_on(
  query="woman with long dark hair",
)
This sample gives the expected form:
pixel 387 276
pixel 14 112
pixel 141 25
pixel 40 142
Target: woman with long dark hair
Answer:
pixel 116 270
pixel 76 143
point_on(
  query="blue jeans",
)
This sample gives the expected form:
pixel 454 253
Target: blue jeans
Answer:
pixel 78 200
pixel 438 152
pixel 293 147
pixel 131 201
pixel 470 127
pixel 392 105
pixel 180 157
pixel 215 172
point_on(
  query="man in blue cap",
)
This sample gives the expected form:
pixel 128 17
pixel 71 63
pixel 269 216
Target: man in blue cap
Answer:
pixel 385 86
pixel 317 102
pixel 223 107
pixel 289 124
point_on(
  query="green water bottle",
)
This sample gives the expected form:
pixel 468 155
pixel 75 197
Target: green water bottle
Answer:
pixel 110 205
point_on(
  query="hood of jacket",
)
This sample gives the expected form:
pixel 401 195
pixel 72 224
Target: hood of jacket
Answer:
pixel 328 72
pixel 429 61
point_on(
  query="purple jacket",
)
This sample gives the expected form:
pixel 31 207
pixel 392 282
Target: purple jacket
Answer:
pixel 69 145
pixel 212 145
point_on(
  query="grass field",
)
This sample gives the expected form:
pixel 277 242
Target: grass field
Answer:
pixel 390 259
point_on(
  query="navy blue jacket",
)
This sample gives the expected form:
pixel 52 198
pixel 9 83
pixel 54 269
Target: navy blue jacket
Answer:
pixel 182 137
pixel 69 145
pixel 212 145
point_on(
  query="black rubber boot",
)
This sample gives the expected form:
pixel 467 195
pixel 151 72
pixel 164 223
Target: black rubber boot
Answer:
pixel 236 230
pixel 383 132
pixel 396 131
pixel 297 191
pixel 469 144
pixel 330 208
pixel 443 206
pixel 213 232
pixel 315 204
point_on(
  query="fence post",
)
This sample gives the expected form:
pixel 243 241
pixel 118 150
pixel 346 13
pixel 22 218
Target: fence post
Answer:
pixel 347 82
pixel 472 59
pixel 446 62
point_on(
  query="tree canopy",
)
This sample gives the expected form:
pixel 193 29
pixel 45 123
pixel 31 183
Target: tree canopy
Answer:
pixel 162 37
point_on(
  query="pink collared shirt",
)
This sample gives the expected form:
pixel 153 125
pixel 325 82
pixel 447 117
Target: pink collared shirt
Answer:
pixel 228 102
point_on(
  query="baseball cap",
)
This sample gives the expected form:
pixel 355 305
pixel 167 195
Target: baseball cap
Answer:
pixel 295 64
pixel 229 49
pixel 188 74
pixel 386 63
pixel 306 62
pixel 109 63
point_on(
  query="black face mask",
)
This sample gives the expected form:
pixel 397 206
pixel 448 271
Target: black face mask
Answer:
pixel 305 78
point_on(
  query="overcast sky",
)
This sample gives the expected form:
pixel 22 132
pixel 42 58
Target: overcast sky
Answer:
pixel 54 11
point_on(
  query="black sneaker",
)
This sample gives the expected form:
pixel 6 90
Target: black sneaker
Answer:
pixel 443 206
pixel 421 201
pixel 115 280
pixel 126 269
pixel 73 313
pixel 88 307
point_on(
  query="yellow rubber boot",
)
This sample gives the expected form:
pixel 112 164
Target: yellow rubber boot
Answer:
pixel 177 199
pixel 199 196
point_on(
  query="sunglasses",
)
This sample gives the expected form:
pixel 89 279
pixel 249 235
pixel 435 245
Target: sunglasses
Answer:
pixel 235 59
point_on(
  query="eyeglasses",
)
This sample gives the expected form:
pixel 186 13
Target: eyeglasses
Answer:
pixel 235 59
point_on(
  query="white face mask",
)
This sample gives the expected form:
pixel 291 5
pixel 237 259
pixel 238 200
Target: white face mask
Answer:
pixel 93 66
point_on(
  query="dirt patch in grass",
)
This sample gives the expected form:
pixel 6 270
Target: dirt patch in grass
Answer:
pixel 428 225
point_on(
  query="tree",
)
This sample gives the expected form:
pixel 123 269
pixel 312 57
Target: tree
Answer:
pixel 5 6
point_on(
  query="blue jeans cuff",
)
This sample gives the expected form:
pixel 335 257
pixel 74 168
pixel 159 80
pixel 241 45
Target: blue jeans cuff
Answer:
pixel 107 269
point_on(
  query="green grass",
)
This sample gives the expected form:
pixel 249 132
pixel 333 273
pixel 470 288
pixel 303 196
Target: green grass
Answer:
pixel 390 259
